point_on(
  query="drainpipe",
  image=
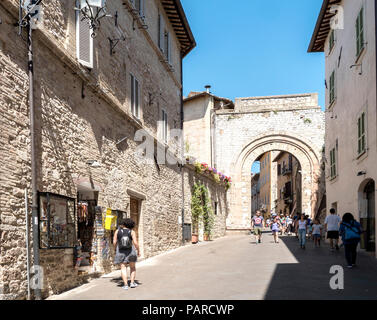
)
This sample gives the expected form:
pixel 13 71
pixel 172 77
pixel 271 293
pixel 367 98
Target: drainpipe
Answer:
pixel 182 164
pixel 34 206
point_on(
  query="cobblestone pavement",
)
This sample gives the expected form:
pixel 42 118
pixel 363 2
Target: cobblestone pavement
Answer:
pixel 235 267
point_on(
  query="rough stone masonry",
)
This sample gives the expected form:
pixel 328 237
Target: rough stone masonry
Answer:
pixel 81 114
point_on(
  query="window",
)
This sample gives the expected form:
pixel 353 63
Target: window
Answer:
pixel 139 6
pixel 57 221
pixel 361 134
pixel 164 119
pixel 332 87
pixel 84 41
pixel 168 46
pixel 135 97
pixel 279 169
pixel 332 40
pixel 216 204
pixel 333 170
pixel 161 32
pixel 360 32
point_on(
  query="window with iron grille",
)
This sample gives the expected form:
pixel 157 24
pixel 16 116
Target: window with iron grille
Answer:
pixel 361 134
pixel 360 32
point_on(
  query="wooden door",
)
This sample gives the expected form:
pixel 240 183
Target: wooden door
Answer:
pixel 135 215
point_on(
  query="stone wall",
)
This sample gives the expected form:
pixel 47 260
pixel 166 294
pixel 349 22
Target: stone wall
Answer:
pixel 294 124
pixel 80 116
pixel 217 193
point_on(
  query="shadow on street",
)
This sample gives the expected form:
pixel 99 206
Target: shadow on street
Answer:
pixel 310 277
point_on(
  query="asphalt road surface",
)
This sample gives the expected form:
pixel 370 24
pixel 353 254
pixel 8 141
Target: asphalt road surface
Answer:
pixel 236 268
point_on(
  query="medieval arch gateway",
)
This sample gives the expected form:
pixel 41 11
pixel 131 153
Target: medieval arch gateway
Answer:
pixel 242 131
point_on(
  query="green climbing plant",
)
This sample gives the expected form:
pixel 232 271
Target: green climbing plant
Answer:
pixel 201 209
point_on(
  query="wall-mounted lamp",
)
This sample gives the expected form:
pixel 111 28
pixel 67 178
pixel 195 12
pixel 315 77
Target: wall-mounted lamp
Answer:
pixel 93 163
pixel 93 11
pixel 361 173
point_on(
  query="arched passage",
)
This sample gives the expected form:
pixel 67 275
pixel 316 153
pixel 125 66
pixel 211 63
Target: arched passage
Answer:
pixel 240 201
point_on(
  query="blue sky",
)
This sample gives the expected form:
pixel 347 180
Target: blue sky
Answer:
pixel 253 48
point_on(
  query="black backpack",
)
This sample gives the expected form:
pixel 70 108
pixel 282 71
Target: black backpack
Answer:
pixel 125 239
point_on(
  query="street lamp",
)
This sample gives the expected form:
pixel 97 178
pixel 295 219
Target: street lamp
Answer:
pixel 93 11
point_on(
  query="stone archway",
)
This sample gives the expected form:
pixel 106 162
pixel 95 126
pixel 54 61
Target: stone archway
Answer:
pixel 240 200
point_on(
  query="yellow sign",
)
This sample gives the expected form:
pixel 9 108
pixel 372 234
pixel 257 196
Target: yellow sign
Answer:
pixel 110 220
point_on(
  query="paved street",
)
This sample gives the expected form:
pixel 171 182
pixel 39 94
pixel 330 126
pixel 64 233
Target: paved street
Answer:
pixel 235 267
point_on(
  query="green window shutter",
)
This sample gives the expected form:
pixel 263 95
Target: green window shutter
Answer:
pixel 360 32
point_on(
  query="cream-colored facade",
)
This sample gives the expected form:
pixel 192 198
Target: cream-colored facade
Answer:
pixel 265 182
pixel 288 184
pixel 349 44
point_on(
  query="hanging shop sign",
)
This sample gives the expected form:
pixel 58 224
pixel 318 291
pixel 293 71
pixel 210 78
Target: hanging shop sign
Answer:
pixel 57 221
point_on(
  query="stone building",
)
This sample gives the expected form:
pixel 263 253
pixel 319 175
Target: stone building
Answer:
pixel 92 96
pixel 255 194
pixel 288 184
pixel 250 127
pixel 346 33
pixel 265 183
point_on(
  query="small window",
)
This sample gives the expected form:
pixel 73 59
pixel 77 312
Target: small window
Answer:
pixel 333 169
pixel 84 41
pixel 215 206
pixel 164 119
pixel 332 40
pixel 361 134
pixel 360 32
pixel 332 87
pixel 161 32
pixel 135 97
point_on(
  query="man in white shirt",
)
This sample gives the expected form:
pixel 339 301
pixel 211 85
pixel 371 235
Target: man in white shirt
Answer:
pixel 332 227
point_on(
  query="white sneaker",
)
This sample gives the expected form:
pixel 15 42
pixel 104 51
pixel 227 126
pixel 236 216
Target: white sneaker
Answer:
pixel 125 287
pixel 133 285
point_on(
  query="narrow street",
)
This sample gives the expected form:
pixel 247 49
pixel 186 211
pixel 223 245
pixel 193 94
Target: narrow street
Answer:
pixel 236 268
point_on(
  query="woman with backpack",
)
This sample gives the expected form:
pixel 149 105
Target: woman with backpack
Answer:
pixel 127 250
pixel 350 231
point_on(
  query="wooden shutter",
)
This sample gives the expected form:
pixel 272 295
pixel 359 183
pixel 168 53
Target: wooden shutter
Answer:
pixel 137 96
pixel 84 42
pixel 161 32
pixel 169 55
pixel 132 94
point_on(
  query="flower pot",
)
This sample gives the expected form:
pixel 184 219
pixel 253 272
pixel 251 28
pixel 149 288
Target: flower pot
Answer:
pixel 206 237
pixel 194 238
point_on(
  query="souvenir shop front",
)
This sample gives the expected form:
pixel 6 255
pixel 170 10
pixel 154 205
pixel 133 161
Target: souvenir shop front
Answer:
pixel 79 224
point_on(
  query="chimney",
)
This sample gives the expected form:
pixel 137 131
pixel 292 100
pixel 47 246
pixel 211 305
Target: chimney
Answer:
pixel 208 87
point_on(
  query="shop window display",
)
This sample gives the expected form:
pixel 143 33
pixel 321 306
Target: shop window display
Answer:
pixel 57 221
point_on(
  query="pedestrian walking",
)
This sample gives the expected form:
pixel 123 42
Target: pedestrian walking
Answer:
pixel 317 233
pixel 289 224
pixel 127 251
pixel 309 224
pixel 257 223
pixel 332 222
pixel 276 227
pixel 350 231
pixel 301 230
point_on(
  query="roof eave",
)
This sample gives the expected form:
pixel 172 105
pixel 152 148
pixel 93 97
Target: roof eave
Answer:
pixel 318 26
